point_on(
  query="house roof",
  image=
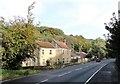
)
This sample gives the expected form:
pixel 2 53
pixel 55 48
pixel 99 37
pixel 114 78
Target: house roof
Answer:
pixel 61 44
pixel 81 54
pixel 44 44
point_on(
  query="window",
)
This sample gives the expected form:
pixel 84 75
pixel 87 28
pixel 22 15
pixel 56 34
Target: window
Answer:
pixel 63 60
pixel 58 60
pixel 50 51
pixel 63 51
pixel 42 51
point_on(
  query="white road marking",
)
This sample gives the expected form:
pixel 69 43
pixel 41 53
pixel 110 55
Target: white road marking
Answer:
pixel 85 67
pixel 94 74
pixel 78 69
pixel 69 72
pixel 62 74
pixel 44 80
pixel 37 83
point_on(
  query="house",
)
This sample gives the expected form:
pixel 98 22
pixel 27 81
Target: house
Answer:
pixel 80 56
pixel 51 52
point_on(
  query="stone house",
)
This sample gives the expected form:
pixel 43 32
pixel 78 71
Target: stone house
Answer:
pixel 52 52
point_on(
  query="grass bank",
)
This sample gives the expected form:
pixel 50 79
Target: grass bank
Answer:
pixel 10 74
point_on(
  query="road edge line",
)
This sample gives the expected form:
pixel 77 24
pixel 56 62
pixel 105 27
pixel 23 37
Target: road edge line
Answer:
pixel 94 74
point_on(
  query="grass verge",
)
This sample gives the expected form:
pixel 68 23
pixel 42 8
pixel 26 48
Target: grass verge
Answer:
pixel 10 74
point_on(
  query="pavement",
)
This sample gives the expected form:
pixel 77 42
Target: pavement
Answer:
pixel 108 74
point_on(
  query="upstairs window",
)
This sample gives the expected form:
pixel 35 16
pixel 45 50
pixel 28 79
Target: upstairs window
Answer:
pixel 42 51
pixel 50 51
pixel 63 51
pixel 63 60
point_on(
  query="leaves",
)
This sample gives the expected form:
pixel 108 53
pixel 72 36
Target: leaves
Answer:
pixel 18 41
pixel 113 40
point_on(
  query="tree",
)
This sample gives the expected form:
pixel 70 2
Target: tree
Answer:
pixel 100 47
pixel 48 33
pixel 97 48
pixel 113 40
pixel 18 40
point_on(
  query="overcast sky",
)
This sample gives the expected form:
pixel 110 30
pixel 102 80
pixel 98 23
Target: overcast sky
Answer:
pixel 77 17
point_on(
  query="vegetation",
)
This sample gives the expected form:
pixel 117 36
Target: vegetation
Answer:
pixel 76 43
pixel 10 74
pixel 19 36
pixel 18 40
pixel 113 38
pixel 98 48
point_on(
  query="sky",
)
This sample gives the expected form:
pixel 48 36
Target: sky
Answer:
pixel 77 17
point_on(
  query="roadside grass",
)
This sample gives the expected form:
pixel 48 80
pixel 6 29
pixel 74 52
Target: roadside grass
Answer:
pixel 10 74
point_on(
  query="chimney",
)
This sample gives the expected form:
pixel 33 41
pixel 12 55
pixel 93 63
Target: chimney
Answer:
pixel 64 41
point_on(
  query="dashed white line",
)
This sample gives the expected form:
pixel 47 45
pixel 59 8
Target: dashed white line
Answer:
pixel 44 80
pixel 85 67
pixel 69 72
pixel 94 74
pixel 78 69
pixel 62 74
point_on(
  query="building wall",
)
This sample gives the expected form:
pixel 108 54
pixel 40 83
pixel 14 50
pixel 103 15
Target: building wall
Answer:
pixel 47 54
pixel 52 54
pixel 66 56
pixel 58 55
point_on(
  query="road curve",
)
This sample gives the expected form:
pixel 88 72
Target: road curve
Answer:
pixel 73 74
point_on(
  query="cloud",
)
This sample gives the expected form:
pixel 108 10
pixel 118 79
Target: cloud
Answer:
pixel 84 17
pixel 92 15
pixel 18 8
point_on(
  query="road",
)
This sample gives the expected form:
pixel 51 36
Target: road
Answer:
pixel 82 73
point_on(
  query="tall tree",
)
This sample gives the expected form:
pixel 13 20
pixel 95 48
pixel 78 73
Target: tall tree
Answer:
pixel 18 40
pixel 113 42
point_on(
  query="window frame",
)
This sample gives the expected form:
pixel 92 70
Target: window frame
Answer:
pixel 50 52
